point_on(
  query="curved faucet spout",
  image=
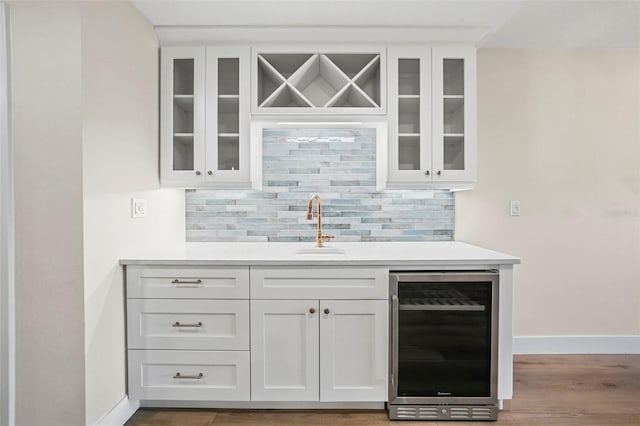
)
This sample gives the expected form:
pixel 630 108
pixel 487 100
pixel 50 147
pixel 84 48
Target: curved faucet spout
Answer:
pixel 320 238
pixel 310 208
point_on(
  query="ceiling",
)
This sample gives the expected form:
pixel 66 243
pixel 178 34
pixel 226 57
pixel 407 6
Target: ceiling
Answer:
pixel 515 23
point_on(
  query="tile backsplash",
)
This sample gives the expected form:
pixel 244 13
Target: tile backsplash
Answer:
pixel 340 166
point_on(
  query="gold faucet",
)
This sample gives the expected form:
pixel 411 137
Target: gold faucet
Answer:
pixel 319 237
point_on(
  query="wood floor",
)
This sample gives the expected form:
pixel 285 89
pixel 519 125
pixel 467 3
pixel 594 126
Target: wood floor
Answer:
pixel 586 390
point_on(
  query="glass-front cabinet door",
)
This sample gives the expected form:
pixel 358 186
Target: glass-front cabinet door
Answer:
pixel 204 98
pixel 409 118
pixel 182 118
pixel 454 114
pixel 227 140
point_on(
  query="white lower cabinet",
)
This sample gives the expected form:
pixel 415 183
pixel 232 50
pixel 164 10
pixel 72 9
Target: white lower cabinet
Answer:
pixel 188 333
pixel 316 334
pixel 189 375
pixel 327 350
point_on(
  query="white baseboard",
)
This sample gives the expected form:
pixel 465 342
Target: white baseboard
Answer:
pixel 531 345
pixel 119 414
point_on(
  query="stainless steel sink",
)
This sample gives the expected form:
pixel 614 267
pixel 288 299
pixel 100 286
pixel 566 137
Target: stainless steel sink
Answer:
pixel 320 251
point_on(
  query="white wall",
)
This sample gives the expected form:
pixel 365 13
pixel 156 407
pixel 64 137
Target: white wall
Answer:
pixel 85 86
pixel 7 336
pixel 47 138
pixel 559 130
pixel 120 161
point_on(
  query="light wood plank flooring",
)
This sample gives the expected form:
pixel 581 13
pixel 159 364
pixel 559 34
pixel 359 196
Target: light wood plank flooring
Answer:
pixel 586 390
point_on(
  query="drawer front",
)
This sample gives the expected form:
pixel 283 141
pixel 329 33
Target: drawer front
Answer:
pixel 319 283
pixel 187 282
pixel 188 324
pixel 189 375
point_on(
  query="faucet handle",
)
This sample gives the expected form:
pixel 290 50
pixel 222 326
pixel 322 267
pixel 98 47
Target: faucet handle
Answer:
pixel 327 237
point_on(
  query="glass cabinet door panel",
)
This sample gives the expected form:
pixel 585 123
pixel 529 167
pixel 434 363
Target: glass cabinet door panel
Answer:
pixel 183 119
pixel 409 114
pixel 453 115
pixel 228 72
pixel 453 120
pixel 228 153
pixel 182 153
pixel 453 76
pixel 409 152
pixel 183 76
pixel 454 152
pixel 228 114
pixel 408 77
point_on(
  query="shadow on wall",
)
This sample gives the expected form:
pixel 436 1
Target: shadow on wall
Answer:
pixel 340 166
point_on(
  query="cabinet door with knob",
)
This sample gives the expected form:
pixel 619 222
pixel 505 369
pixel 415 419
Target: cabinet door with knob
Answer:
pixel 284 350
pixel 227 116
pixel 409 119
pixel 353 350
pixel 454 114
pixel 182 115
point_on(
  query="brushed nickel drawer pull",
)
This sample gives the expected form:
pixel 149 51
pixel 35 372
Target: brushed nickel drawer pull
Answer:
pixel 180 376
pixel 177 324
pixel 177 281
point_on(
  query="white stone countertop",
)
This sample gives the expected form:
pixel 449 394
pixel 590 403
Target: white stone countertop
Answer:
pixel 387 254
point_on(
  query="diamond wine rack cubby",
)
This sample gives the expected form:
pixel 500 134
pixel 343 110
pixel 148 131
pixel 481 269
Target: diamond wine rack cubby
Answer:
pixel 319 82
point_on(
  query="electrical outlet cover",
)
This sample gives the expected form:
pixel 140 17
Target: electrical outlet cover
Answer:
pixel 138 208
pixel 515 208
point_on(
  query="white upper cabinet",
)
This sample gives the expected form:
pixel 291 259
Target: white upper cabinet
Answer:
pixel 208 96
pixel 432 118
pixel 336 81
pixel 205 117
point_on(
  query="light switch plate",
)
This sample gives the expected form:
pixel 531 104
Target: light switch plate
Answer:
pixel 515 208
pixel 138 208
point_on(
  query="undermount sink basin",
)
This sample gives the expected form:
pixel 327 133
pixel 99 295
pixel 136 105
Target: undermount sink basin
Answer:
pixel 320 251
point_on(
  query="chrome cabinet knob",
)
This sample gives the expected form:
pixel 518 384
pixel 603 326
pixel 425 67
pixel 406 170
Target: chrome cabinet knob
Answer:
pixel 327 311
pixel 312 311
pixel 198 173
pixel 426 173
pixel 439 172
pixel 209 172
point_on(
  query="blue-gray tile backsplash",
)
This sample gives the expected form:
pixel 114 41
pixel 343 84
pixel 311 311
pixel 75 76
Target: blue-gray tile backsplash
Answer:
pixel 340 166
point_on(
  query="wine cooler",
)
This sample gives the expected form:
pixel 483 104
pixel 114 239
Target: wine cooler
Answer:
pixel 444 354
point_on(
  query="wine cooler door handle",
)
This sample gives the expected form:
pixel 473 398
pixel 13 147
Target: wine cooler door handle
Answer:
pixel 393 383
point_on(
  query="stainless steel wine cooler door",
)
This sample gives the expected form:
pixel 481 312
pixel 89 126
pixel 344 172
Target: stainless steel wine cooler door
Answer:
pixel 444 334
